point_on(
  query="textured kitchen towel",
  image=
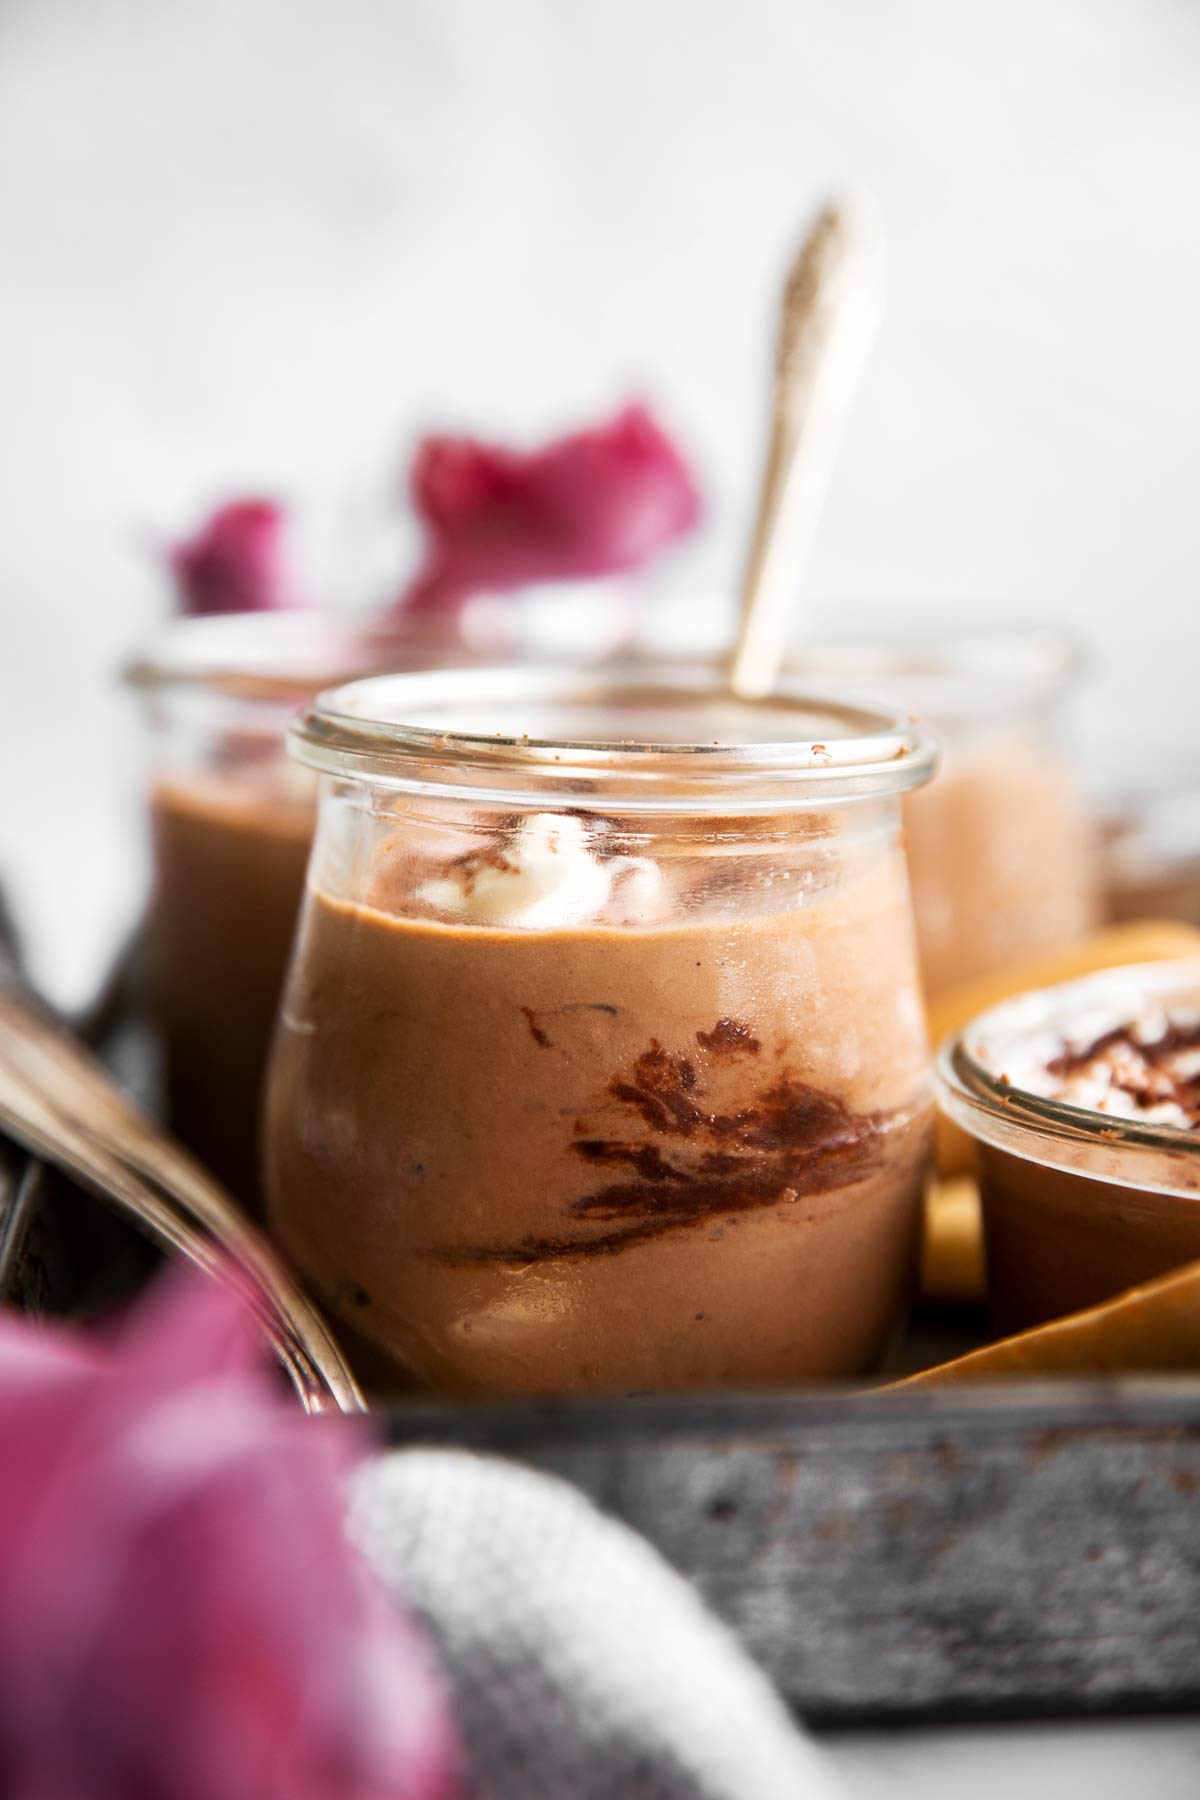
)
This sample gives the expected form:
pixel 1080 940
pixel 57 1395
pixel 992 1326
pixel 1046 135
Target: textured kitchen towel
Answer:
pixel 582 1666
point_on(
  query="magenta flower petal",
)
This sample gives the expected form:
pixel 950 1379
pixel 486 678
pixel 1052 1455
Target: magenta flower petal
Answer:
pixel 600 502
pixel 179 1611
pixel 236 562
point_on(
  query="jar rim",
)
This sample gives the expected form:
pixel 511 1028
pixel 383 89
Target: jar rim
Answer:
pixel 270 655
pixel 292 653
pixel 935 645
pixel 1002 1113
pixel 425 730
pixel 930 644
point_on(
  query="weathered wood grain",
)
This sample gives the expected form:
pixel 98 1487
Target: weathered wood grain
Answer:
pixel 897 1558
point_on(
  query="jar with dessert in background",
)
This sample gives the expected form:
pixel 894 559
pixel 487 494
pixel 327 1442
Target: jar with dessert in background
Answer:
pixel 1001 847
pixel 232 816
pixel 601 1064
pixel 1150 841
pixel 1084 1102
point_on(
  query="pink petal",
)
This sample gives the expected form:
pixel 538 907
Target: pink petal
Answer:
pixel 599 502
pixel 179 1610
pixel 236 562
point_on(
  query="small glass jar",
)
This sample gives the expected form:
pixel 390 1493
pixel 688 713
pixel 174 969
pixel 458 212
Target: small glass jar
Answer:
pixel 601 1063
pixel 1001 848
pixel 232 817
pixel 1085 1196
pixel 1150 835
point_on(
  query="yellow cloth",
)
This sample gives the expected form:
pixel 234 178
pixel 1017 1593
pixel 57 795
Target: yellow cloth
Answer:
pixel 952 1268
pixel 1156 1326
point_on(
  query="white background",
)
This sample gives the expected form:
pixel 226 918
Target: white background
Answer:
pixel 266 243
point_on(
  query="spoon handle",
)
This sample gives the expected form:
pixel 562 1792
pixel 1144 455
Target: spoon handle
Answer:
pixel 828 317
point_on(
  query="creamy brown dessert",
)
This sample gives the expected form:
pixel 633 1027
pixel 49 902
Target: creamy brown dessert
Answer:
pixel 1151 852
pixel 1086 1104
pixel 1001 858
pixel 1000 845
pixel 574 1100
pixel 229 864
pixel 232 819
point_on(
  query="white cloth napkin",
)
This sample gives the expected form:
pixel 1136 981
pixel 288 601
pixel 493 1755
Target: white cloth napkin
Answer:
pixel 582 1667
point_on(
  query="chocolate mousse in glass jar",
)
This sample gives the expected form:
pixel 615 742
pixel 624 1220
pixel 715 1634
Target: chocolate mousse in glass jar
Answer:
pixel 601 1064
pixel 1001 848
pixel 1150 835
pixel 1084 1100
pixel 232 815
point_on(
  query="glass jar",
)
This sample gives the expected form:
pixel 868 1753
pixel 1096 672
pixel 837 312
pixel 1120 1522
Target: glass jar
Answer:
pixel 1150 834
pixel 1000 845
pixel 1000 848
pixel 1089 1175
pixel 601 1063
pixel 232 817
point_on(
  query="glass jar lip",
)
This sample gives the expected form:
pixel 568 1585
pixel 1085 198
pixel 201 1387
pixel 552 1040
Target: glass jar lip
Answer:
pixel 385 731
pixel 934 642
pixel 287 655
pixel 292 654
pixel 1005 1115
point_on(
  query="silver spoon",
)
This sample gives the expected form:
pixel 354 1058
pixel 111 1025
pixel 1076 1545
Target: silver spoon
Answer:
pixel 827 320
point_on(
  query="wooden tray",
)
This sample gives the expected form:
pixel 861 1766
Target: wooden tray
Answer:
pixel 908 1558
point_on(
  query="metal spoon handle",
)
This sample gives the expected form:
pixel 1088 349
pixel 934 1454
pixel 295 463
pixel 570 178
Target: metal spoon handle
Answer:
pixel 827 320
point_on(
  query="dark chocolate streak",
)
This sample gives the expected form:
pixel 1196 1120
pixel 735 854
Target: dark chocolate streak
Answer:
pixel 727 1038
pixel 540 1038
pixel 693 1165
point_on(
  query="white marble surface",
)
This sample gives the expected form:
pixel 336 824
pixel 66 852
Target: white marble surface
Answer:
pixel 263 243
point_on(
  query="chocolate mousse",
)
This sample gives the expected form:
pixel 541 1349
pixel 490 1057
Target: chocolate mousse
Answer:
pixel 1001 850
pixel 1086 1104
pixel 565 1104
pixel 229 860
pixel 1001 857
pixel 232 820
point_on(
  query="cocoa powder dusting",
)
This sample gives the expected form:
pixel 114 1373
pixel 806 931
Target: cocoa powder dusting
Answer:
pixel 1148 1072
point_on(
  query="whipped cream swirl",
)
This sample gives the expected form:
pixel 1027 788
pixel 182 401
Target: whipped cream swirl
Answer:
pixel 543 874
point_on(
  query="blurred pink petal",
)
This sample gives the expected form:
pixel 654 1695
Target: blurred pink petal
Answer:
pixel 600 502
pixel 236 562
pixel 180 1614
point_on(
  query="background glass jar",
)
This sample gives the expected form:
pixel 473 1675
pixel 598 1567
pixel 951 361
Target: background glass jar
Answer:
pixel 1000 846
pixel 232 818
pixel 1149 828
pixel 601 1062
pixel 1079 1202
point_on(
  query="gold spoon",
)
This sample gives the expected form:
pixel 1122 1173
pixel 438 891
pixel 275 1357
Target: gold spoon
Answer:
pixel 828 318
pixel 59 1105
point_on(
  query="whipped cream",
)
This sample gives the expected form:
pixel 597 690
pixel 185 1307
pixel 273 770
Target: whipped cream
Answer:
pixel 1144 1067
pixel 543 874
